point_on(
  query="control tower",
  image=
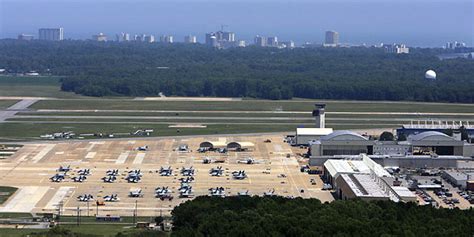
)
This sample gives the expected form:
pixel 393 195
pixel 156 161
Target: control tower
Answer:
pixel 319 115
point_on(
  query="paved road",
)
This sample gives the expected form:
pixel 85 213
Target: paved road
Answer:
pixel 19 106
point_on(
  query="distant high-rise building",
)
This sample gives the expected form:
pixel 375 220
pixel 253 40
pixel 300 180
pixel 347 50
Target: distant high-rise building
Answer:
pixel 272 41
pixel 52 34
pixel 149 38
pixel 25 37
pixel 455 45
pixel 241 43
pixel 166 39
pixel 332 39
pixel 101 37
pixel 260 41
pixel 221 39
pixel 396 48
pixel 190 39
pixel 123 37
pixel 288 44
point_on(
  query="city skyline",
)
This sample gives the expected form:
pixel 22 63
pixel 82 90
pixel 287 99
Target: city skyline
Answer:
pixel 420 24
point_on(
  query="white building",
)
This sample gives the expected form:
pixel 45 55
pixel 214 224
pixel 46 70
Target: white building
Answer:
pixel 166 39
pixel 190 39
pixel 396 48
pixel 51 34
pixel 101 37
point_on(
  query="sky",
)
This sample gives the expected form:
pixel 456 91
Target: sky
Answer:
pixel 425 23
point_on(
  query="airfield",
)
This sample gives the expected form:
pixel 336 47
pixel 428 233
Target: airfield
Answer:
pixel 31 167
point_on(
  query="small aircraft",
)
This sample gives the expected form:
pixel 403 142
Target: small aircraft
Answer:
pixel 216 171
pixel 187 171
pixel 239 174
pixel 84 172
pixel 202 149
pixel 80 178
pixel 186 192
pixel 222 150
pixel 207 160
pixel 183 148
pixel 166 171
pixel 109 179
pixel 85 198
pixel 111 198
pixel 163 193
pixel 270 193
pixel 58 177
pixel 248 161
pixel 243 193
pixel 142 148
pixel 188 179
pixel 133 179
pixel 217 192
pixel 112 172
pixel 136 193
pixel 64 168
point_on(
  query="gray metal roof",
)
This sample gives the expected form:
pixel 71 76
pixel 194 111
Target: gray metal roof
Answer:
pixel 424 135
pixel 343 133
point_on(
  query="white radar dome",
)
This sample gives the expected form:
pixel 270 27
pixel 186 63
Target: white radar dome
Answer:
pixel 430 74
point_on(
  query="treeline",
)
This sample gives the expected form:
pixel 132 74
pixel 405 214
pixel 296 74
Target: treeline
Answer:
pixel 278 216
pixel 140 69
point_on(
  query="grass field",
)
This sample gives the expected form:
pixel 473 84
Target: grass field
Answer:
pixel 33 86
pixel 253 105
pixel 5 193
pixel 7 103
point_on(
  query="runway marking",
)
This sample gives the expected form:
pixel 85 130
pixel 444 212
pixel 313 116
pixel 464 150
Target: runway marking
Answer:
pixel 91 155
pixel 42 153
pixel 25 199
pixel 60 194
pixel 139 158
pixel 122 157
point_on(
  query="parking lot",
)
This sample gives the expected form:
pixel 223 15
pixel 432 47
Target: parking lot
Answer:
pixel 30 169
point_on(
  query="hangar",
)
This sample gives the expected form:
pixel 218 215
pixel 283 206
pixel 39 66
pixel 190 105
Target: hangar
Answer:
pixel 342 143
pixel 240 146
pixel 213 145
pixel 305 135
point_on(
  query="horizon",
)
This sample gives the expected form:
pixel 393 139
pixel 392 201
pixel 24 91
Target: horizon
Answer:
pixel 417 24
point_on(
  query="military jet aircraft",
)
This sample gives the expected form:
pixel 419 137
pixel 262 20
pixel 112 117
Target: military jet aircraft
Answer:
pixel 186 192
pixel 111 198
pixel 187 171
pixel 58 177
pixel 243 193
pixel 163 193
pixel 166 171
pixel 112 172
pixel 270 193
pixel 216 171
pixel 80 178
pixel 85 198
pixel 249 161
pixel 142 148
pixel 136 193
pixel 109 178
pixel 64 168
pixel 188 179
pixel 217 192
pixel 239 174
pixel 84 172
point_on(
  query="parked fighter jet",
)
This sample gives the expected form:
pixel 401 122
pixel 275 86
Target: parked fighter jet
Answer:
pixel 136 193
pixel 111 198
pixel 207 160
pixel 166 171
pixel 134 176
pixel 80 178
pixel 243 193
pixel 84 172
pixel 142 148
pixel 186 192
pixel 270 193
pixel 187 171
pixel 109 179
pixel 64 168
pixel 112 172
pixel 58 177
pixel 249 161
pixel 218 192
pixel 188 179
pixel 216 171
pixel 239 174
pixel 85 198
pixel 163 193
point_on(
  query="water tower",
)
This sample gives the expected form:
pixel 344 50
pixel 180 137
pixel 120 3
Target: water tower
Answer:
pixel 319 115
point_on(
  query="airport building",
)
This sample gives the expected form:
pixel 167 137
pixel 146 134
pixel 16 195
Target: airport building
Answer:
pixel 51 34
pixel 364 179
pixel 457 127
